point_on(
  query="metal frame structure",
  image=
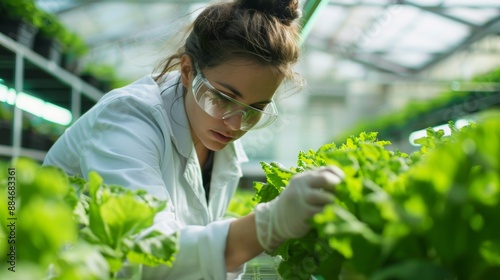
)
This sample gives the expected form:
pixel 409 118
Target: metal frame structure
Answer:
pixel 375 61
pixel 23 56
pixel 311 8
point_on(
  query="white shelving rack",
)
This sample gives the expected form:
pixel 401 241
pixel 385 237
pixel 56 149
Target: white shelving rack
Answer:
pixel 17 62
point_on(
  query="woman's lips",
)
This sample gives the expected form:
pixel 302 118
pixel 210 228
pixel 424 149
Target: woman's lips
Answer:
pixel 221 137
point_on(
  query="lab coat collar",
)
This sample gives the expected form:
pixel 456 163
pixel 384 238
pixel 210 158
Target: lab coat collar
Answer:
pixel 173 103
pixel 226 169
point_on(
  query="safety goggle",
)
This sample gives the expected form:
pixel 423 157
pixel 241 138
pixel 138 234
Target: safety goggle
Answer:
pixel 221 106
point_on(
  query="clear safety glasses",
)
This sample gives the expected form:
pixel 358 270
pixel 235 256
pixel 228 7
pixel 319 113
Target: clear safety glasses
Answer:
pixel 221 106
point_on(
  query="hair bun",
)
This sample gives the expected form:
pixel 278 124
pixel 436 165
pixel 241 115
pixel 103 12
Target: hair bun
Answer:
pixel 285 10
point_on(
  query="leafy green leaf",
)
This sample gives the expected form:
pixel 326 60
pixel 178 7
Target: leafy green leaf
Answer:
pixel 154 249
pixel 397 216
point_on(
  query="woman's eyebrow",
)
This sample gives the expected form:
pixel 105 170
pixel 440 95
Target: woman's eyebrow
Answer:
pixel 237 93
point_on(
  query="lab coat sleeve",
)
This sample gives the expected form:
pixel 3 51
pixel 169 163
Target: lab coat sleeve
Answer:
pixel 124 147
pixel 201 251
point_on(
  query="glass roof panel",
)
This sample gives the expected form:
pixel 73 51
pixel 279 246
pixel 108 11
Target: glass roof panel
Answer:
pixel 346 1
pixel 356 24
pixel 433 33
pixel 391 24
pixel 404 35
pixel 329 20
pixel 416 43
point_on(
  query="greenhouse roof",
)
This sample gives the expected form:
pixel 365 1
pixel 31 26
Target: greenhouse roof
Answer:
pixel 401 36
pixel 398 37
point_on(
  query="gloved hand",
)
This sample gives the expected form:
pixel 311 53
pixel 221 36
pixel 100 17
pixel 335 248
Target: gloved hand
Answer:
pixel 287 215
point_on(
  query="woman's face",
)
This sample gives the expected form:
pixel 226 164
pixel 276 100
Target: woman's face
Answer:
pixel 244 81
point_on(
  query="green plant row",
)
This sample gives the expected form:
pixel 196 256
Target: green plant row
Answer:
pixel 431 214
pixel 241 204
pixel 73 45
pixel 60 227
pixel 428 113
pixel 45 22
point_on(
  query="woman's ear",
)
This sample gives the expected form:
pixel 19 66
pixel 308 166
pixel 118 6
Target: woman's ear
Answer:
pixel 186 70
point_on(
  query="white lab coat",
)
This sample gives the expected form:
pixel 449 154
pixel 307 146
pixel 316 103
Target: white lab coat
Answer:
pixel 138 136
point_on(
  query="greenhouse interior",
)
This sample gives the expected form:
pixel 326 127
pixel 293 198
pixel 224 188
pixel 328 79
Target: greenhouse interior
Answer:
pixel 401 96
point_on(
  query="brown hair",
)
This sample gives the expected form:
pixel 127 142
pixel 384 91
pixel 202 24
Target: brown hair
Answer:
pixel 264 31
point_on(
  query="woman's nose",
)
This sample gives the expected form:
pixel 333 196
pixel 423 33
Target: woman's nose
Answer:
pixel 234 120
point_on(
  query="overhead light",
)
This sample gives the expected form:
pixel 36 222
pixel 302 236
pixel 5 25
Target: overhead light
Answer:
pixel 7 95
pixel 30 104
pixel 57 114
pixel 35 106
pixel 445 127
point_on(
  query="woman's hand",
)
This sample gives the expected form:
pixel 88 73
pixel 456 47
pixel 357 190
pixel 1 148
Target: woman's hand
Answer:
pixel 287 216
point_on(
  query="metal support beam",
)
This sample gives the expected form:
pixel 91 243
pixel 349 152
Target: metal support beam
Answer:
pixel 491 27
pixel 311 11
pixel 371 61
pixel 377 62
pixel 17 120
pixel 76 101
pixel 439 13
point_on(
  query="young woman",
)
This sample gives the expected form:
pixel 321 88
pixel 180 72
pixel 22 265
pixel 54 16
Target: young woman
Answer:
pixel 175 134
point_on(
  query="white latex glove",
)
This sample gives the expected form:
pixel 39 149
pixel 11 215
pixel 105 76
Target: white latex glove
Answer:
pixel 287 216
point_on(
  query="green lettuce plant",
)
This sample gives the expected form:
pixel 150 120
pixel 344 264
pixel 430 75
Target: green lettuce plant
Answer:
pixel 428 215
pixel 68 228
pixel 418 114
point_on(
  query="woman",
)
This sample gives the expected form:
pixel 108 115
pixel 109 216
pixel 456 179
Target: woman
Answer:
pixel 174 134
